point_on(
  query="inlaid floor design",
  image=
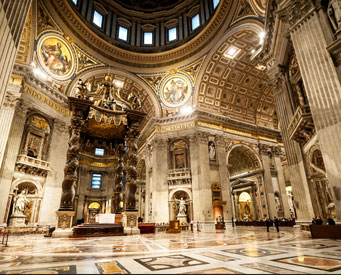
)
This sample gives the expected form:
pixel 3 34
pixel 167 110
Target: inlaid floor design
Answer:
pixel 237 250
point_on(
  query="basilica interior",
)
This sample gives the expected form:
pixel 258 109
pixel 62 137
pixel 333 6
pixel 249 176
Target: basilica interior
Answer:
pixel 170 136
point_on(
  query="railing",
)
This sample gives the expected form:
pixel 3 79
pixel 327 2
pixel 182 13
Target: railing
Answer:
pixel 301 127
pixel 33 162
pixel 179 176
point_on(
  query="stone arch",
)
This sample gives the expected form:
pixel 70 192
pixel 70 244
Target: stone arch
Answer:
pixel 246 157
pixel 151 98
pixel 37 185
pixel 186 190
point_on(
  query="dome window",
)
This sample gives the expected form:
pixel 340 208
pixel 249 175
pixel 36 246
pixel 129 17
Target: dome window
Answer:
pixel 148 38
pixel 172 34
pixel 215 3
pixel 97 19
pixel 123 33
pixel 75 2
pixel 195 21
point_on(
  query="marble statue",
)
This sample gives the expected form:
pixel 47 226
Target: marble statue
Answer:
pixel 212 151
pixel 182 206
pixel 20 202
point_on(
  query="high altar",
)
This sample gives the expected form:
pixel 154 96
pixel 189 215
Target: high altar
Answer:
pixel 102 115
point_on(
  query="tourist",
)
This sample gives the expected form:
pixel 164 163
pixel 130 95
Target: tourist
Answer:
pixel 276 221
pixel 268 224
pixel 319 221
pixel 331 221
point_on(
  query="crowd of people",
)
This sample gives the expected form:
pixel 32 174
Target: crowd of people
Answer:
pixel 319 221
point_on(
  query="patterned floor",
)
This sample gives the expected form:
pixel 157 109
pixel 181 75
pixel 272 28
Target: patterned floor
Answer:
pixel 233 251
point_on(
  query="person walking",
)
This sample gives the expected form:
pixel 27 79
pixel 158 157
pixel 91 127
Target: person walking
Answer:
pixel 276 222
pixel 268 224
pixel 232 222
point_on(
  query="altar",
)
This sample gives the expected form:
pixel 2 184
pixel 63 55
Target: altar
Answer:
pixel 105 218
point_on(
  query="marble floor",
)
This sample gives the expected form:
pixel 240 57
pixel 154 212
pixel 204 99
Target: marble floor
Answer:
pixel 232 251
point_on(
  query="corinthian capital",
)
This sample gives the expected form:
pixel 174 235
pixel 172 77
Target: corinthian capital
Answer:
pixel 11 100
pixel 295 10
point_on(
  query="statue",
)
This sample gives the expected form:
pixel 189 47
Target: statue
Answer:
pixel 334 14
pixel 278 203
pixel 212 151
pixel 182 206
pixel 20 202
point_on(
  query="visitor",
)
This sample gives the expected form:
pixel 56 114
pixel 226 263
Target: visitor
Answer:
pixel 232 222
pixel 319 221
pixel 276 221
pixel 313 220
pixel 268 224
pixel 331 221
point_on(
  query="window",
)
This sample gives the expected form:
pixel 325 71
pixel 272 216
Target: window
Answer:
pixel 195 21
pixel 172 34
pixel 123 33
pixel 75 2
pixel 148 38
pixel 215 3
pixel 96 181
pixel 99 152
pixel 97 19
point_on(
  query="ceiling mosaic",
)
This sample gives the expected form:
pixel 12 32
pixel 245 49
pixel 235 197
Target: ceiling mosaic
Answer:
pixel 236 87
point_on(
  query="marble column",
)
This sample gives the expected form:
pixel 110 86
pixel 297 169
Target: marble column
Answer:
pixel 322 85
pixel 11 31
pixel 201 185
pixel 10 156
pixel 159 187
pixel 6 115
pixel 224 179
pixel 298 177
pixel 265 152
pixel 281 181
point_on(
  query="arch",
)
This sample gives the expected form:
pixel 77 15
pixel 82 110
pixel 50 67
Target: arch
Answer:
pixel 99 71
pixel 254 159
pixel 186 190
pixel 253 25
pixel 23 180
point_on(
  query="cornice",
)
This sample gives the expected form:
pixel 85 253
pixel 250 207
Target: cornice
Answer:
pixel 209 120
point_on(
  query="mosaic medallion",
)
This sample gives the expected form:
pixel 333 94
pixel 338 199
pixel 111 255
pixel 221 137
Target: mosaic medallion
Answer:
pixel 56 56
pixel 175 90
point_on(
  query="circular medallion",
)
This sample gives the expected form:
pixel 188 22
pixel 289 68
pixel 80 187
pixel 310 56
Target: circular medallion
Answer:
pixel 175 91
pixel 56 57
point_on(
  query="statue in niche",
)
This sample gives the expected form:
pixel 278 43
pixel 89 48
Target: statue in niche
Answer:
pixel 300 94
pixel 182 206
pixel 278 202
pixel 212 151
pixel 20 202
pixel 334 14
pixel 179 161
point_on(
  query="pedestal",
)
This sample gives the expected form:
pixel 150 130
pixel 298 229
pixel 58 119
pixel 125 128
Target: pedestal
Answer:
pixel 130 224
pixel 174 227
pixel 182 218
pixel 17 220
pixel 64 224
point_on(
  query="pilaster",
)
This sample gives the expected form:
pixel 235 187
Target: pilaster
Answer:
pixel 159 188
pixel 201 185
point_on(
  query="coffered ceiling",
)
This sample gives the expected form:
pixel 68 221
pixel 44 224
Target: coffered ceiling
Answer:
pixel 237 87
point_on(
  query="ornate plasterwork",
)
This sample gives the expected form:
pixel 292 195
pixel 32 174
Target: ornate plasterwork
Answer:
pixel 235 87
pixel 79 29
pixel 242 159
pixel 244 10
pixel 25 48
